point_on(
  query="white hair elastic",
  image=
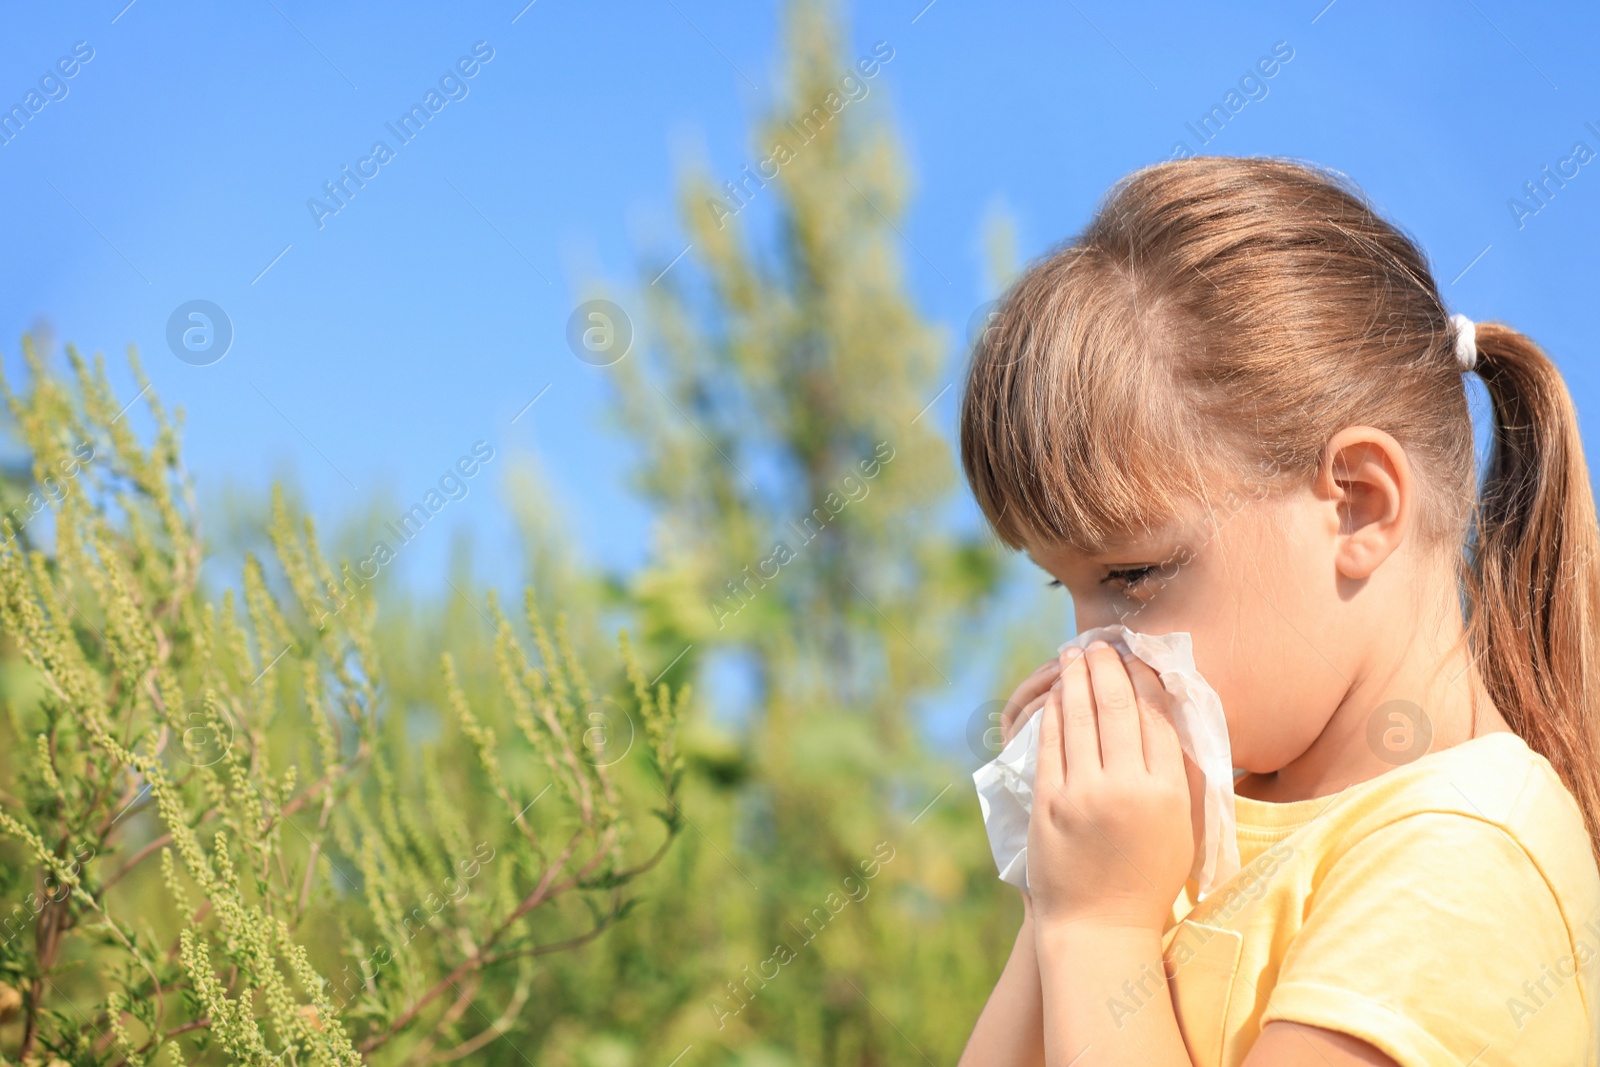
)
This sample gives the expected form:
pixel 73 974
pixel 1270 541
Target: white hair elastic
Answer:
pixel 1466 341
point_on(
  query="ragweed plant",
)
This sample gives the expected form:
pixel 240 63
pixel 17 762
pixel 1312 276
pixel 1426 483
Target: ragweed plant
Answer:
pixel 222 838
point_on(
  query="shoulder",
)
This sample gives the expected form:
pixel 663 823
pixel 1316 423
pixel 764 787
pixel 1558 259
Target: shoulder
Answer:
pixel 1454 813
pixel 1459 909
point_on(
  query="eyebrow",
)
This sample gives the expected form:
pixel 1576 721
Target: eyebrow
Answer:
pixel 1116 545
pixel 1151 543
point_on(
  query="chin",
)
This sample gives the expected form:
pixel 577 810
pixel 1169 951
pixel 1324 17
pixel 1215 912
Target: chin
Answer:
pixel 1262 764
pixel 1254 763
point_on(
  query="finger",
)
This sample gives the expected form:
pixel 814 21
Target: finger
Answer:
pixel 1014 718
pixel 1050 771
pixel 1030 689
pixel 1196 781
pixel 1080 738
pixel 1162 752
pixel 1115 709
pixel 1039 682
pixel 1050 666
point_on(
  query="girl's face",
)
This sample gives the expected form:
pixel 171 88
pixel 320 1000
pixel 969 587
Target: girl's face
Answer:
pixel 1257 589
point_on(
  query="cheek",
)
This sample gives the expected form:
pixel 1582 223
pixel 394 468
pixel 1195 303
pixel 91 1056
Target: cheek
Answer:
pixel 1269 648
pixel 1255 692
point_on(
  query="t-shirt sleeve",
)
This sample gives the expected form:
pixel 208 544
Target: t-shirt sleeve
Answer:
pixel 1437 940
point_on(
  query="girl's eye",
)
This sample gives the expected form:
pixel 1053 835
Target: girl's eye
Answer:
pixel 1130 577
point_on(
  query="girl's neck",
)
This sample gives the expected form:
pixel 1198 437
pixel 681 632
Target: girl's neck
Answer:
pixel 1422 693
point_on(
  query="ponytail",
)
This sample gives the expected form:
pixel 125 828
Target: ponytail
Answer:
pixel 1532 575
pixel 1279 271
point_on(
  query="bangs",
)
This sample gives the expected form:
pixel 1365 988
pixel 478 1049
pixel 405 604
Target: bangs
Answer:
pixel 1074 428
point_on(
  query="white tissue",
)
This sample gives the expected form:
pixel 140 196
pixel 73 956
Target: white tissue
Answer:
pixel 1005 784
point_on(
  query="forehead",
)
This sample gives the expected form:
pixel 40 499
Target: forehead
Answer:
pixel 1127 543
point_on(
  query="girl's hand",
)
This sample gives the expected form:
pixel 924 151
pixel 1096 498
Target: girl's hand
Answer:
pixel 1027 698
pixel 1111 839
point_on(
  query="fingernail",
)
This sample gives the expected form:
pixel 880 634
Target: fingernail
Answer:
pixel 1093 645
pixel 1072 653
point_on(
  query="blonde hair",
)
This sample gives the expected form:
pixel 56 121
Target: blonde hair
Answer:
pixel 1214 326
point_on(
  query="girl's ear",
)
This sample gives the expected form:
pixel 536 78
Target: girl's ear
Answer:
pixel 1366 476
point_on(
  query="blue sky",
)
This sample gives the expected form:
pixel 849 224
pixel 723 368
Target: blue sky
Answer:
pixel 372 351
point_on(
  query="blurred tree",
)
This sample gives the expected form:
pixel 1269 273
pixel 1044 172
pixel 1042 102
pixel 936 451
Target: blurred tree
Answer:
pixel 804 547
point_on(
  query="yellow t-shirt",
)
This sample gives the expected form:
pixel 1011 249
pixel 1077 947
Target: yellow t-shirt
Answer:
pixel 1446 912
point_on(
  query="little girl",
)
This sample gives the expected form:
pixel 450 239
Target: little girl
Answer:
pixel 1235 406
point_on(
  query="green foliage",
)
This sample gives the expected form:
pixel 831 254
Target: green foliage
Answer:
pixel 803 544
pixel 284 824
pixel 224 840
